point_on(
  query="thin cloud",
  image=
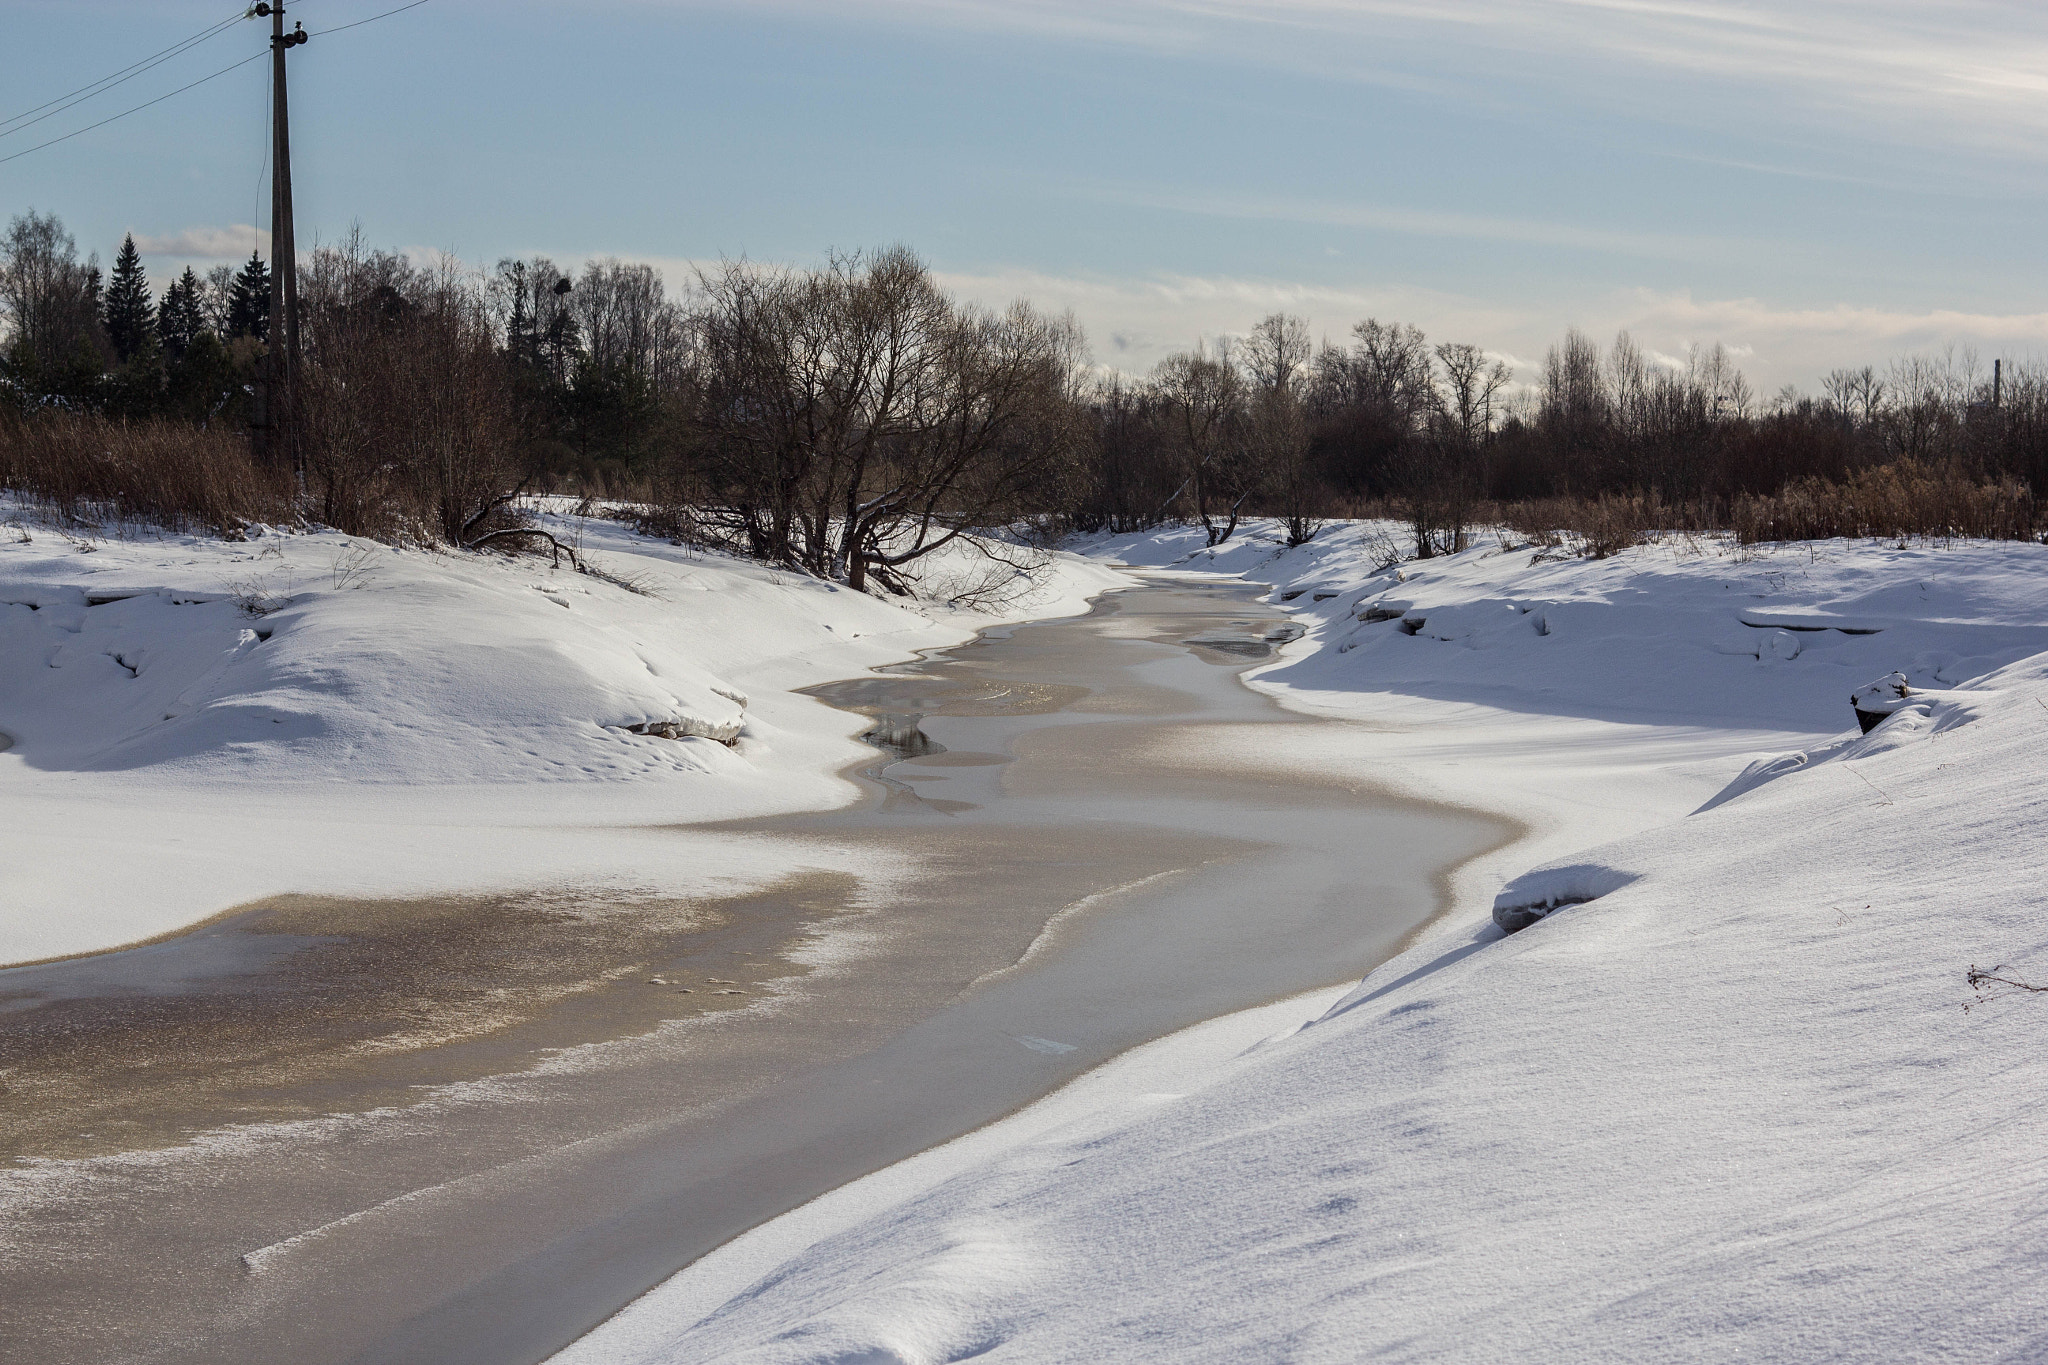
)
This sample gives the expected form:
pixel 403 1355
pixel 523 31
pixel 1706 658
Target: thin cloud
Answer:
pixel 1977 67
pixel 205 243
pixel 1415 222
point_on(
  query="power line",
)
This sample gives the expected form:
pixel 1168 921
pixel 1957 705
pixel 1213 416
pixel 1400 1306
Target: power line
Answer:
pixel 136 110
pixel 106 83
pixel 201 81
pixel 371 20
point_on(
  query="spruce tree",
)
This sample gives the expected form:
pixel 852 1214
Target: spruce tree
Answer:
pixel 129 312
pixel 179 321
pixel 249 301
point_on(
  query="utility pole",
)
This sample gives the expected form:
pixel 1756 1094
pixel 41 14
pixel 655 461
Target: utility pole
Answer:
pixel 276 428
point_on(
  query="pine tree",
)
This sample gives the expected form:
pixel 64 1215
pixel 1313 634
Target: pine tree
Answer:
pixel 129 313
pixel 249 302
pixel 179 321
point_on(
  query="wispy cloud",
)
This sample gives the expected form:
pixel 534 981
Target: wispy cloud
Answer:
pixel 1977 68
pixel 1411 221
pixel 205 243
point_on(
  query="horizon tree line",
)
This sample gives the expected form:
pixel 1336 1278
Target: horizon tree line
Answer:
pixel 848 419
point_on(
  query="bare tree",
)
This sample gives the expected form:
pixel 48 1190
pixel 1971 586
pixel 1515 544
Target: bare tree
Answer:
pixel 854 419
pixel 1925 397
pixel 1275 357
pixel 1445 473
pixel 1128 476
pixel 1857 393
pixel 1204 398
pixel 1275 353
pixel 1575 410
pixel 1370 402
pixel 216 292
pixel 49 301
pixel 406 400
pixel 1469 391
pixel 626 321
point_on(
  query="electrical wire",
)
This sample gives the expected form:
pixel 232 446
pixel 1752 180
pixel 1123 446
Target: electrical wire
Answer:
pixel 201 81
pixel 136 110
pixel 371 20
pixel 106 83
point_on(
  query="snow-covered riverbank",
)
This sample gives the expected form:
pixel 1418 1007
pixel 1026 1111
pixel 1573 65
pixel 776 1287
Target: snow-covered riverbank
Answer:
pixel 1729 1106
pixel 196 724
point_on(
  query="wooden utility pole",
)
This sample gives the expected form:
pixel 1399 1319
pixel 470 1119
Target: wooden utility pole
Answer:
pixel 276 427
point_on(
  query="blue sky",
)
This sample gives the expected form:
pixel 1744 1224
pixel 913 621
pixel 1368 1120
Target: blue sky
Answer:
pixel 1813 184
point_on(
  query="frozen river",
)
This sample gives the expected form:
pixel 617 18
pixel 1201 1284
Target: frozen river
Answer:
pixel 467 1130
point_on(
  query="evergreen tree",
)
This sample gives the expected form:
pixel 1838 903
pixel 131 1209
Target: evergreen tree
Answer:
pixel 249 301
pixel 204 382
pixel 179 321
pixel 129 312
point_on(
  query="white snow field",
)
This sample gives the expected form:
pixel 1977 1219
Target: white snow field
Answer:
pixel 190 724
pixel 1723 1103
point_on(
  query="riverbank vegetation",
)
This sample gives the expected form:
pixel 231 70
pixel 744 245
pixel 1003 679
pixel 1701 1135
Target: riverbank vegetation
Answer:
pixel 847 420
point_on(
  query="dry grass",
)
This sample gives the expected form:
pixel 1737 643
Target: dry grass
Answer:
pixel 1599 527
pixel 1894 501
pixel 92 470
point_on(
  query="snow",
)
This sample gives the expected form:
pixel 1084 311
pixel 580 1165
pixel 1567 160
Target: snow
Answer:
pixel 195 724
pixel 1720 1100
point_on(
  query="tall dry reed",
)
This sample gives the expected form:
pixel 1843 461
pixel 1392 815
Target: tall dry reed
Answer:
pixel 93 469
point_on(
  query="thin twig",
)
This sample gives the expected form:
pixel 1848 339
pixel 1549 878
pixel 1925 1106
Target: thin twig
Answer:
pixel 1986 985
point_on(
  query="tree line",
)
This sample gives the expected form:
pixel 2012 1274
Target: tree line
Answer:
pixel 1440 435
pixel 84 341
pixel 848 420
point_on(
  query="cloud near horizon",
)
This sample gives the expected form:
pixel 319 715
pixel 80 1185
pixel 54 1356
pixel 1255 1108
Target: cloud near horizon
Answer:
pixel 232 243
pixel 1133 323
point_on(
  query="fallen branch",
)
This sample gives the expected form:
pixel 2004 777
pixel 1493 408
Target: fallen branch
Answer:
pixel 559 548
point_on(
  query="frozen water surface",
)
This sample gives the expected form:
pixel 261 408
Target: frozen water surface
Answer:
pixel 1101 850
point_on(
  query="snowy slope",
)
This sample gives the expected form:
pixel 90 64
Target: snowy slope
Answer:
pixel 1729 1107
pixel 196 723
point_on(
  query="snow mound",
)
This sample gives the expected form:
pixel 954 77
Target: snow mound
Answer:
pixel 448 675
